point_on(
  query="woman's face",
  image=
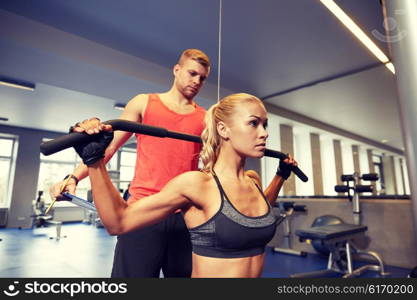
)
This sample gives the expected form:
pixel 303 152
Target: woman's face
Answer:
pixel 247 129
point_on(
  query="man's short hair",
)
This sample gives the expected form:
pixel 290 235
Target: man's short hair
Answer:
pixel 196 55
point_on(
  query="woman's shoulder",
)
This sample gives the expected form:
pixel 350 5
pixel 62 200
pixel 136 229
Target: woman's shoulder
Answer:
pixel 197 178
pixel 195 185
pixel 254 176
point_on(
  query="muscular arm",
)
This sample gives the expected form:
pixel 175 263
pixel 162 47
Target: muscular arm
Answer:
pixel 119 218
pixel 272 191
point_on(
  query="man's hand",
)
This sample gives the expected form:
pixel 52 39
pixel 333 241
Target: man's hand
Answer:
pixel 93 150
pixel 56 190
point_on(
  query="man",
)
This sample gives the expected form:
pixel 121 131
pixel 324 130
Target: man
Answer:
pixel 166 245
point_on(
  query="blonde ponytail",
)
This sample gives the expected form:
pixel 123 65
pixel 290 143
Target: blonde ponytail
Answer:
pixel 211 141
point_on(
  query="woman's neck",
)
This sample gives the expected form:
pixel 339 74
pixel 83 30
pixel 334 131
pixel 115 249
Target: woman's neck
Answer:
pixel 230 164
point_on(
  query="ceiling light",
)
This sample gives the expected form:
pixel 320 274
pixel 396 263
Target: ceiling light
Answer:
pixel 17 84
pixel 119 106
pixel 355 29
pixel 390 67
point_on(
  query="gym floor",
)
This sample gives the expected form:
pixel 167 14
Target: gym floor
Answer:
pixel 87 251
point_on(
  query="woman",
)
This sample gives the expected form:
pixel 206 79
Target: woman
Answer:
pixel 229 219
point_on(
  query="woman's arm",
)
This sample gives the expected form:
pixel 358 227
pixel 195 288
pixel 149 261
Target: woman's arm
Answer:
pixel 282 174
pixel 273 189
pixel 118 217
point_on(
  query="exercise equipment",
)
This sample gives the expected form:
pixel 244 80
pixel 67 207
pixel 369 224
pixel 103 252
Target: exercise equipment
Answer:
pixel 324 221
pixel 352 184
pixel 356 189
pixel 79 202
pixel 61 190
pixel 339 239
pixel 42 219
pixel 330 234
pixel 91 214
pixel 69 140
pixel 287 208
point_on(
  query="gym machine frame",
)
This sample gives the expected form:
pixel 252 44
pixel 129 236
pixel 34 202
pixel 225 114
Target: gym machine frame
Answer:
pixel 71 139
pixel 287 208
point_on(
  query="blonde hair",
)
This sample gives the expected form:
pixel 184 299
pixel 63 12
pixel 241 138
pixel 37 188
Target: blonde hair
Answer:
pixel 222 111
pixel 196 55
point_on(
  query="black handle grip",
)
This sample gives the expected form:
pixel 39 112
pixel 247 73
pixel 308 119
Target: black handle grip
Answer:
pixel 341 188
pixel 300 174
pixel 364 188
pixel 63 142
pixel 345 178
pixel 69 140
pixel 370 177
pixel 300 207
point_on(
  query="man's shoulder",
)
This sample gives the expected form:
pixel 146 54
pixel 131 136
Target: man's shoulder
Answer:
pixel 140 98
pixel 137 104
pixel 199 107
pixel 200 113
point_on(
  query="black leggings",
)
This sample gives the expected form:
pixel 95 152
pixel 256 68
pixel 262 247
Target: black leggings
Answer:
pixel 144 252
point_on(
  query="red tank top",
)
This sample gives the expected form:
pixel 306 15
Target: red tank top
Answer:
pixel 159 160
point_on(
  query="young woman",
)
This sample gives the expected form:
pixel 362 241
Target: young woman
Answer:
pixel 229 218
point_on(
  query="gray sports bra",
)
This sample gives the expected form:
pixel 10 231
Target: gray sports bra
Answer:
pixel 230 234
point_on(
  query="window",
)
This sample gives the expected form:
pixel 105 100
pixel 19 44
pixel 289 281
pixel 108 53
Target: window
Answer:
pixel 378 167
pixel 8 148
pixel 54 167
pixel 126 166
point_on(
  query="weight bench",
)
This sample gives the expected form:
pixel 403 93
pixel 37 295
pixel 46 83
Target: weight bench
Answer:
pixel 338 238
pixel 45 220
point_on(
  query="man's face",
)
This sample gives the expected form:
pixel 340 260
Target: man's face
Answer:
pixel 189 77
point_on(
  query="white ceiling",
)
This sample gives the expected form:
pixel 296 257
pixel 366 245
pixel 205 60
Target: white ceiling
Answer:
pixel 84 56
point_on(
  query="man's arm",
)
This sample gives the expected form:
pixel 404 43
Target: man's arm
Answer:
pixel 133 112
